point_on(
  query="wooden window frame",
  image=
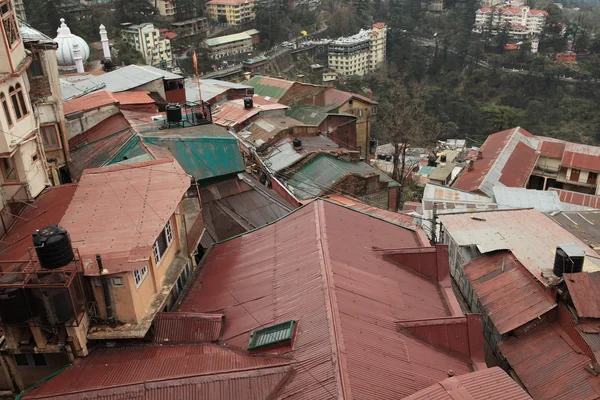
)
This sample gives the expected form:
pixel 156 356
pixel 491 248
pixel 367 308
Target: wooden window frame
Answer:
pixel 18 101
pixel 55 134
pixel 5 172
pixel 5 109
pixel 139 275
pixel 9 16
pixel 167 236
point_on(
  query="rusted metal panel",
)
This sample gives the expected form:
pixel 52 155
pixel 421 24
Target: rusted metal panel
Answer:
pixel 492 383
pixel 448 333
pixel 317 266
pixel 581 156
pixel 566 322
pixel 517 169
pixel 584 289
pixel 582 199
pixel 119 211
pixel 177 328
pixel 551 148
pixel 118 373
pixel 549 364
pixel 398 218
pixel 89 102
pixel 507 291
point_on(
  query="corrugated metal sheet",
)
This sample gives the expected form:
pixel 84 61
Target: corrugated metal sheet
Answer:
pixel 32 35
pixel 507 291
pixel 308 114
pixel 316 266
pixel 335 98
pixel 233 113
pixel 530 235
pixel 541 200
pixel 281 155
pixel 161 372
pixel 582 199
pixel 269 87
pixel 567 323
pixel 323 171
pixel 48 208
pixel 551 148
pixel 132 76
pixel 584 224
pixel 106 213
pixel 549 364
pixel 506 157
pixel 178 328
pixel 133 97
pixel 581 156
pixel 398 218
pixel 89 102
pixel 486 384
pixel 584 289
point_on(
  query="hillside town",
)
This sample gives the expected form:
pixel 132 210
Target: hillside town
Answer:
pixel 239 233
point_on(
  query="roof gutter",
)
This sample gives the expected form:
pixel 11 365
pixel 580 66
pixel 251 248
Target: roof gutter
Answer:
pixel 38 383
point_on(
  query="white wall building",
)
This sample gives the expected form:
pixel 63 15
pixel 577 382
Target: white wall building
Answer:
pixel 521 22
pixel 359 54
pixel 146 39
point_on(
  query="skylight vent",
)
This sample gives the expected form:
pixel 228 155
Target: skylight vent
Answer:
pixel 276 334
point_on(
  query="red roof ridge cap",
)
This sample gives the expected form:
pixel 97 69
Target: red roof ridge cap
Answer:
pixel 338 345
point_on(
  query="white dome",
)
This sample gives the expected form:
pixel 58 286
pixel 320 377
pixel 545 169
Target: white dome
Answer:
pixel 64 53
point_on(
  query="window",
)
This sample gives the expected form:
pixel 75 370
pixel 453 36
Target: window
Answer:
pixel 35 69
pixel 139 275
pixel 8 169
pixel 30 360
pixel 592 178
pixel 117 281
pixel 18 101
pixel 276 334
pixel 162 243
pixel 49 136
pixel 5 108
pixel 11 30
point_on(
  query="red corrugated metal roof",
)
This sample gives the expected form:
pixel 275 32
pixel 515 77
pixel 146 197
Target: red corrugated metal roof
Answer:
pixel 176 327
pixel 335 98
pixel 390 216
pixel 89 102
pixel 581 156
pixel 550 364
pixel 317 266
pixel 234 113
pixel 551 148
pixel 584 289
pixel 133 97
pixel 114 124
pixel 517 169
pixel 173 372
pixel 510 295
pixel 492 383
pixel 48 209
pixel 582 199
pixel 514 168
pixel 119 211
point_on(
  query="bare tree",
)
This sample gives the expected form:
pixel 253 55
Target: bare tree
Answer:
pixel 404 122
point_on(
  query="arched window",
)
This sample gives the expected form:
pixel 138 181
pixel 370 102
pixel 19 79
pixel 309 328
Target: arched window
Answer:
pixel 5 108
pixel 18 101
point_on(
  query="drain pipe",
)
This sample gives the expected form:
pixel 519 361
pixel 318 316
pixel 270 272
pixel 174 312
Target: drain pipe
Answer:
pixel 107 289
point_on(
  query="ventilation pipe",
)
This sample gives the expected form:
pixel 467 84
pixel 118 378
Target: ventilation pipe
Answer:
pixel 77 57
pixel 104 40
pixel 106 288
pixel 471 165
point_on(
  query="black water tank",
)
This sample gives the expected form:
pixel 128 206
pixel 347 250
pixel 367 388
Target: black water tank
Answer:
pixel 14 308
pixel 297 142
pixel 381 156
pixel 173 113
pixel 569 259
pixel 53 247
pixel 248 102
pixel 372 145
pixel 443 158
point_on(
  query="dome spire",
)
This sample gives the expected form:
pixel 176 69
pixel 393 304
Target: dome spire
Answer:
pixel 63 31
pixel 65 53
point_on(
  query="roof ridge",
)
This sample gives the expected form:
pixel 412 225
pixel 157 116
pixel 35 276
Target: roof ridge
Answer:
pixel 338 345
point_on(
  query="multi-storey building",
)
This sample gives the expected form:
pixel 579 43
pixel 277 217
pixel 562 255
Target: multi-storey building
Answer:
pixel 231 12
pixel 166 8
pixel 146 39
pixel 520 22
pixel 237 43
pixel 359 54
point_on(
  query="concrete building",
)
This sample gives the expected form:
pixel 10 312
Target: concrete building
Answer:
pixel 521 22
pixel 191 26
pixel 359 54
pixel 231 12
pixel 166 8
pixel 146 39
pixel 238 43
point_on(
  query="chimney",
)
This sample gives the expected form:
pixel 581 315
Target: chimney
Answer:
pixel 479 155
pixel 471 165
pixel 104 40
pixel 77 58
pixel 393 199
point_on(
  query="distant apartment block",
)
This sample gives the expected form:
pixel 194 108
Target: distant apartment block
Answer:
pixel 166 8
pixel 191 26
pixel 359 54
pixel 146 39
pixel 224 46
pixel 521 22
pixel 231 12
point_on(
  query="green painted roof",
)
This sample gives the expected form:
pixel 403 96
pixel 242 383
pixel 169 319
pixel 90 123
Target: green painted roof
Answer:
pixel 269 87
pixel 309 115
pixel 318 175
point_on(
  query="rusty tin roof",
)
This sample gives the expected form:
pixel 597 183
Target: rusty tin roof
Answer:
pixel 119 211
pixel 319 266
pixel 177 327
pixel 507 291
pixel 584 289
pixel 89 102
